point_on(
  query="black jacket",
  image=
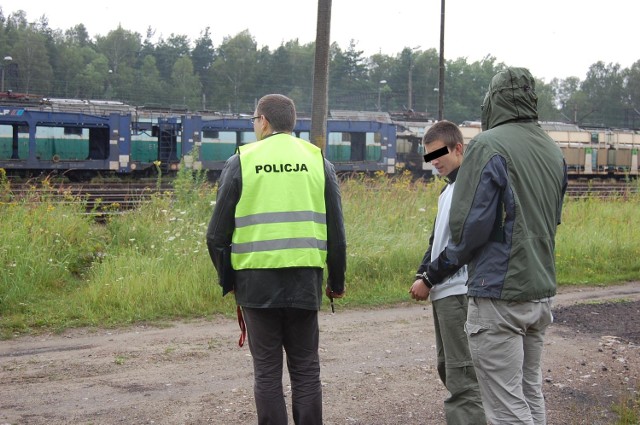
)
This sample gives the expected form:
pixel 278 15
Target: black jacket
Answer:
pixel 298 287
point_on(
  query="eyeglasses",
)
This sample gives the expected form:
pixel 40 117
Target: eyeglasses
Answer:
pixel 253 119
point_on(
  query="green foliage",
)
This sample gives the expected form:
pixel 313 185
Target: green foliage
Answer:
pixel 598 241
pixel 47 249
pixel 388 223
pixel 59 269
pixel 5 187
pixel 185 83
pixel 229 77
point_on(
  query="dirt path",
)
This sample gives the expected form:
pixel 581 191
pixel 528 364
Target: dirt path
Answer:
pixel 377 368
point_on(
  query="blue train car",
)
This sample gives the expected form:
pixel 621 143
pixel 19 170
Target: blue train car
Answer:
pixel 40 141
pixel 82 145
pixel 352 146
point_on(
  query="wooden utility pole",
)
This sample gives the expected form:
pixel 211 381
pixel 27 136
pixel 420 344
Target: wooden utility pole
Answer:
pixel 320 95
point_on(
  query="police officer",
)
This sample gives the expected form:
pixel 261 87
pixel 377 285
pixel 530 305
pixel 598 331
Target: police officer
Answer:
pixel 276 224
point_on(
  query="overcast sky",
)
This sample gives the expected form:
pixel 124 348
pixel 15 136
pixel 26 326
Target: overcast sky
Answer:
pixel 553 38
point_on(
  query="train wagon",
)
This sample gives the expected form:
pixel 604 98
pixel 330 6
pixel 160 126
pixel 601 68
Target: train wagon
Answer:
pixel 352 146
pixel 83 139
pixel 36 141
pixel 589 153
pixel 83 145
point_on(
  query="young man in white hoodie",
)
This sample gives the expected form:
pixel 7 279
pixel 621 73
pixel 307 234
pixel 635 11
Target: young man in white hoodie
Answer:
pixel 444 145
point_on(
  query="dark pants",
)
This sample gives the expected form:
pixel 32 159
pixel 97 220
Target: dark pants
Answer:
pixel 296 330
pixel 455 365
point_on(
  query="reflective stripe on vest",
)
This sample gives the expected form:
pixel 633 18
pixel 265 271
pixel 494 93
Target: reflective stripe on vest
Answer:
pixel 280 218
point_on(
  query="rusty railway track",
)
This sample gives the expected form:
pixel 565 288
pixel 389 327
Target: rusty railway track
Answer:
pixel 115 197
pixel 586 189
pixel 98 198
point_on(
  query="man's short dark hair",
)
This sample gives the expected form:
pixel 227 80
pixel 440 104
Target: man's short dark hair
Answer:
pixel 446 131
pixel 279 110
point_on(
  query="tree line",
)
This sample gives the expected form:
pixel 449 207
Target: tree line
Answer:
pixel 180 73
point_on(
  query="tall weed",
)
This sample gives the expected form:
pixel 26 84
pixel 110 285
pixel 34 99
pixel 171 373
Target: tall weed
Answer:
pixel 58 268
pixel 47 249
pixel 598 240
pixel 388 223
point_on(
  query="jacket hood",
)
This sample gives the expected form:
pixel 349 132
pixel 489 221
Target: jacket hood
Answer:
pixel 511 97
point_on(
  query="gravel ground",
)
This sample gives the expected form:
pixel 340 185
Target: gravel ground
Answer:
pixel 378 367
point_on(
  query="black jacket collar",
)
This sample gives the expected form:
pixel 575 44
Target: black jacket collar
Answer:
pixel 451 178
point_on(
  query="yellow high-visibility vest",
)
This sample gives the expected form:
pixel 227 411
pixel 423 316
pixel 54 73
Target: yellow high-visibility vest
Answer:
pixel 280 219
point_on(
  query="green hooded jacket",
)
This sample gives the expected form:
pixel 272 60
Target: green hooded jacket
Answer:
pixel 508 198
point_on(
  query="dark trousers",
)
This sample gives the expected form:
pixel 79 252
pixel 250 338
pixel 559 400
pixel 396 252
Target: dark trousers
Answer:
pixel 455 364
pixel 296 330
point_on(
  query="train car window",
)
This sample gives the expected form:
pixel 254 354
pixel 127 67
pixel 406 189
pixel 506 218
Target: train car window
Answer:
pixel 141 127
pixel 337 138
pixel 75 131
pixel 304 135
pixel 217 136
pixel 247 137
pixel 23 129
pixel 210 134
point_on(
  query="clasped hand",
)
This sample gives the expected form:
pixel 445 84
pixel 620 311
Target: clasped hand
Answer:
pixel 419 291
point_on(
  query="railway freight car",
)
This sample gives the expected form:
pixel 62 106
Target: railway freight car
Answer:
pixel 81 145
pixel 84 138
pixel 592 153
pixel 34 142
pixel 352 145
pixel 589 153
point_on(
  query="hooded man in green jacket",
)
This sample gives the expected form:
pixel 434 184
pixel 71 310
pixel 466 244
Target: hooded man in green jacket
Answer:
pixel 505 209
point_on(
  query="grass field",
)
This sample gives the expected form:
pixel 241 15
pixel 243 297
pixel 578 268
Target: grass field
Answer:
pixel 60 269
